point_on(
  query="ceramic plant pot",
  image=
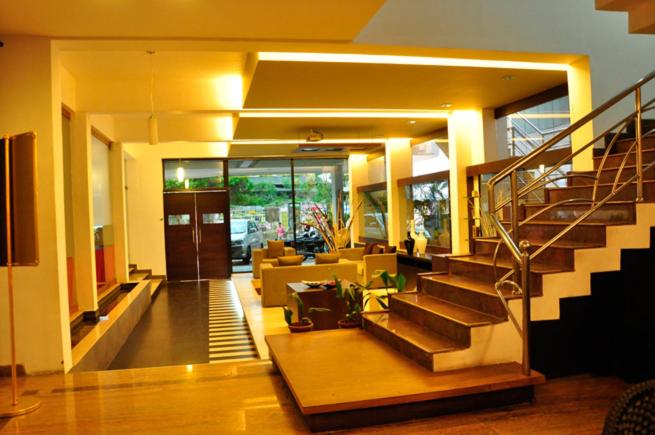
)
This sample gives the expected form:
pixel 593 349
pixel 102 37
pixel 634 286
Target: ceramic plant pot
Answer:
pixel 301 327
pixel 348 324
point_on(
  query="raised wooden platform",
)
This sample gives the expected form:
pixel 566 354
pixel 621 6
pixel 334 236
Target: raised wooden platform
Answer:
pixel 346 378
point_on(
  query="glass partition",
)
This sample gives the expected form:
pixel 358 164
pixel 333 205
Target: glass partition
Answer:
pixel 429 207
pixel 373 215
pixel 261 207
pixel 321 183
pixel 103 229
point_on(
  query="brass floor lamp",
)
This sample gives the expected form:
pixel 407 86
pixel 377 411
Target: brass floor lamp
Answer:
pixel 23 405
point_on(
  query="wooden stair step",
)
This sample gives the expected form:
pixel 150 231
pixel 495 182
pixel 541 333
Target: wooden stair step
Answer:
pixel 623 145
pixel 562 244
pixel 466 292
pixel 627 194
pixel 538 231
pixel 456 313
pixel 607 175
pixel 615 159
pixel 613 212
pixel 409 338
pixel 487 261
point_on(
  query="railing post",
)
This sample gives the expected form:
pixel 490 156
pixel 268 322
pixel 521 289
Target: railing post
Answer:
pixel 525 287
pixel 514 188
pixel 639 157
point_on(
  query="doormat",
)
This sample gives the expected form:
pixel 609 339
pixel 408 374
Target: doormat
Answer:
pixel 257 284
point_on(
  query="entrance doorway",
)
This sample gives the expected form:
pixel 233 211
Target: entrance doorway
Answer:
pixel 197 235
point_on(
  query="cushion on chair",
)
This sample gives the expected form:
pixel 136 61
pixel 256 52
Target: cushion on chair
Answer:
pixel 378 249
pixel 389 249
pixel 291 260
pixel 326 258
pixel 368 248
pixel 275 248
pixel 272 261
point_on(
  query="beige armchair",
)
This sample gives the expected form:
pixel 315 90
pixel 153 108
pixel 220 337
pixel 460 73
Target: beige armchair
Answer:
pixel 275 278
pixel 260 256
pixel 368 264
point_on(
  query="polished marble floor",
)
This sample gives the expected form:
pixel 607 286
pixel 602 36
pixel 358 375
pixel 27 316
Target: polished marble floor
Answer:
pixel 250 398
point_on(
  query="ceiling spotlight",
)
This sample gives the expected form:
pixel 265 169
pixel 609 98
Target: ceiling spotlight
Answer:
pixel 314 136
pixel 446 105
pixel 508 77
pixel 413 121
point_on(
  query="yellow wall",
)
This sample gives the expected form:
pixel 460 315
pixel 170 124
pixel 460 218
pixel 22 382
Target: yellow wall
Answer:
pixel 145 203
pixel 358 176
pixel 398 165
pixel 30 89
pixel 580 103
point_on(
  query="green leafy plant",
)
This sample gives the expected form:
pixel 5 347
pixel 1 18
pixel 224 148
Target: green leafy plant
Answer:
pixel 302 318
pixel 391 281
pixel 351 296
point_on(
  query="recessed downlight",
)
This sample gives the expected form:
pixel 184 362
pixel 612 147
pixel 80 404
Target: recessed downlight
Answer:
pixel 446 105
pixel 508 77
pixel 412 121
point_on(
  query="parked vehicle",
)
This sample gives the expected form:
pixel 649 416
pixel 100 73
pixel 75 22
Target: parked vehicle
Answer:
pixel 245 236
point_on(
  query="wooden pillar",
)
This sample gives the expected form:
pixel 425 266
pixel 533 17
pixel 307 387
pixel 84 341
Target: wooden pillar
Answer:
pixel 398 163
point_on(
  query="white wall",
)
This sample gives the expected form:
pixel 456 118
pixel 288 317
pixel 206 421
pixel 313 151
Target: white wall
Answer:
pixel 617 59
pixel 31 93
pixel 145 202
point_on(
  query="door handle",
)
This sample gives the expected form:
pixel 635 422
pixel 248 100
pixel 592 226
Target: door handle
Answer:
pixel 200 234
pixel 193 236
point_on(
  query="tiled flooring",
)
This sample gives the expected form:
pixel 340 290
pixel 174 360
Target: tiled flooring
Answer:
pixel 229 336
pixel 174 330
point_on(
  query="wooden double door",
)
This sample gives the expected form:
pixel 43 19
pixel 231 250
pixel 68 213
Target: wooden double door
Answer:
pixel 197 235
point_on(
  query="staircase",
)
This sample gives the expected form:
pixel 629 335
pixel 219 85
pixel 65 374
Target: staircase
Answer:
pixel 641 13
pixel 457 318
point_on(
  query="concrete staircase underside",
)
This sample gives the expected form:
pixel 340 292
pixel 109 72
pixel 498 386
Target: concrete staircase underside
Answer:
pixel 641 13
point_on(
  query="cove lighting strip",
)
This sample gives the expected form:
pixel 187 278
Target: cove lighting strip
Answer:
pixel 407 60
pixel 304 142
pixel 342 114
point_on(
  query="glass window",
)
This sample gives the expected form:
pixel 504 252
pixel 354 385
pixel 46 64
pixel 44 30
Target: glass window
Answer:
pixel 530 128
pixel 373 220
pixel 193 174
pixel 179 219
pixel 429 207
pixel 430 157
pixel 213 218
pixel 320 183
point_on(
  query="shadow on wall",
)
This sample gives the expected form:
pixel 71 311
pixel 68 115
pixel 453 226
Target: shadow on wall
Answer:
pixel 611 332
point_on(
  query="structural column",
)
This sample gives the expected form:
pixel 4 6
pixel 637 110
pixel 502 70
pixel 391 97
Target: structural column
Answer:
pixel 580 104
pixel 119 210
pixel 357 176
pixel 81 169
pixel 466 145
pixel 398 161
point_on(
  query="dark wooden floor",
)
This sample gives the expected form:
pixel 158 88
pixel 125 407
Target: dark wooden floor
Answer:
pixel 173 331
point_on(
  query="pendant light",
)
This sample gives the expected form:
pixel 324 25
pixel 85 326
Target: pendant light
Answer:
pixel 153 129
pixel 180 172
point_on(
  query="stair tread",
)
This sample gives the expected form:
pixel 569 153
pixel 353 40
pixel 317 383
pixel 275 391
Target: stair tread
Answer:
pixel 574 204
pixel 425 339
pixel 563 244
pixel 501 263
pixel 457 313
pixel 590 186
pixel 561 223
pixel 623 153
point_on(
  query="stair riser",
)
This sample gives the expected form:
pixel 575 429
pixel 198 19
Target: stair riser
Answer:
pixel 402 346
pixel 614 160
pixel 485 303
pixel 627 194
pixel 553 256
pixel 427 319
pixel 608 176
pixel 485 273
pixel 622 146
pixel 581 233
pixel 611 213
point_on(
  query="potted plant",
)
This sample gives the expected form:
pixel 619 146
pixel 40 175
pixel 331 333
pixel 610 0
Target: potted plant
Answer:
pixel 351 295
pixel 304 323
pixel 395 281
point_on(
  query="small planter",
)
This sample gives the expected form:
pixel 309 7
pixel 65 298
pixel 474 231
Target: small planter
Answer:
pixel 348 324
pixel 301 327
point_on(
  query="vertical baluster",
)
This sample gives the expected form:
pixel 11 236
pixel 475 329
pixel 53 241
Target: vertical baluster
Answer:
pixel 514 188
pixel 639 156
pixel 525 287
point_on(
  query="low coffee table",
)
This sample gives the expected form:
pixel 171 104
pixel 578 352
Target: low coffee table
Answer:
pixel 318 297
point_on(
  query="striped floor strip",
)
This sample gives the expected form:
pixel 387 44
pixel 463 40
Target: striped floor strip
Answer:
pixel 229 336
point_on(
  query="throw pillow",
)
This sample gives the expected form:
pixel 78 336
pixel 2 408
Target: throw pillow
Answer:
pixel 275 248
pixel 326 258
pixel 389 249
pixel 378 249
pixel 368 248
pixel 291 260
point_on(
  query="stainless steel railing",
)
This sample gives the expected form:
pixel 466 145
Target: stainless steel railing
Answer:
pixel 518 278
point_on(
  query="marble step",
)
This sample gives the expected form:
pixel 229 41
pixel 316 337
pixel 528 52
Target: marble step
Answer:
pixel 629 193
pixel 613 212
